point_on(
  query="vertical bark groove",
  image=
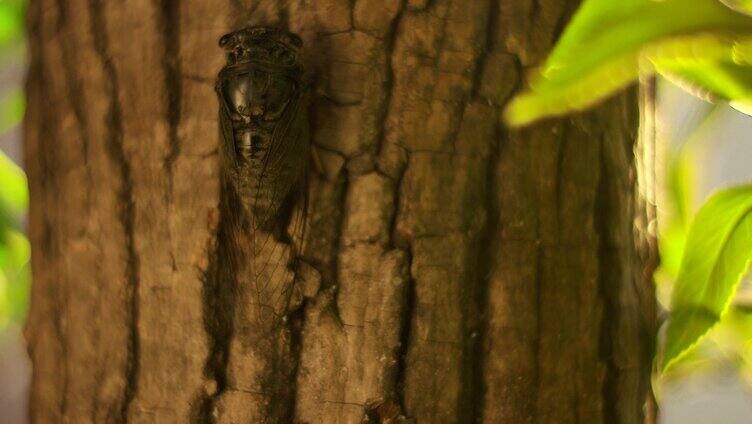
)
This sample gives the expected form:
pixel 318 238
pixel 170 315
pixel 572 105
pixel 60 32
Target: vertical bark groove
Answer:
pixel 169 22
pixel 404 339
pixel 117 156
pixel 611 313
pixel 388 85
pixel 219 297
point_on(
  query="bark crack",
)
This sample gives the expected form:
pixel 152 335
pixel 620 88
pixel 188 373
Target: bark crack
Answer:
pixel 405 335
pixel 535 9
pixel 609 296
pixel 117 155
pixel 409 311
pixel 395 242
pixel 219 299
pixel 535 395
pixel 169 22
pixel 492 24
pixel 489 244
pixel 388 85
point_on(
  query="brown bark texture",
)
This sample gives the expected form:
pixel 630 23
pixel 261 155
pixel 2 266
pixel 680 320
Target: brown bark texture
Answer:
pixel 454 270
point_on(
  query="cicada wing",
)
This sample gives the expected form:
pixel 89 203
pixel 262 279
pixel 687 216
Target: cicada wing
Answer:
pixel 280 270
pixel 274 253
pixel 284 165
pixel 228 139
pixel 278 233
pixel 293 153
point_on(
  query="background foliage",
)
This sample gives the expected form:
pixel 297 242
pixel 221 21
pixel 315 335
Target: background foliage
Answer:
pixel 14 247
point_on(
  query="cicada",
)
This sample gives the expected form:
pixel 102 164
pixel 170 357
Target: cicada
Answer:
pixel 263 115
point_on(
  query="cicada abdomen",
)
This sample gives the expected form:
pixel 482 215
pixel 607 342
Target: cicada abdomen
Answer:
pixel 263 100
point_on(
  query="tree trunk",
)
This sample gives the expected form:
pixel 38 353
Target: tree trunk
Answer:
pixel 455 270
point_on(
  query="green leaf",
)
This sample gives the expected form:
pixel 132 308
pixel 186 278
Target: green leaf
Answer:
pixel 716 256
pixel 13 194
pixel 726 74
pixel 11 21
pixel 14 276
pixel 722 80
pixel 680 179
pixel 608 44
pixel 11 110
pixel 14 246
pixel 744 6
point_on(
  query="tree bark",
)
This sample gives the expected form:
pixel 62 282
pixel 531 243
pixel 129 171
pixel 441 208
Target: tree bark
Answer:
pixel 454 270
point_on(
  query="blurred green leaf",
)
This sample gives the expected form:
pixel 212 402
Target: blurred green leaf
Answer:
pixel 13 194
pixel 672 242
pixel 17 250
pixel 14 276
pixel 743 322
pixel 716 256
pixel 11 21
pixel 14 246
pixel 680 179
pixel 712 81
pixel 674 233
pixel 744 6
pixel 727 344
pixel 608 44
pixel 11 109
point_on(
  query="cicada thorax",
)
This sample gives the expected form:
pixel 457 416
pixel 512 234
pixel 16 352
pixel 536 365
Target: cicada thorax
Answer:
pixel 263 114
